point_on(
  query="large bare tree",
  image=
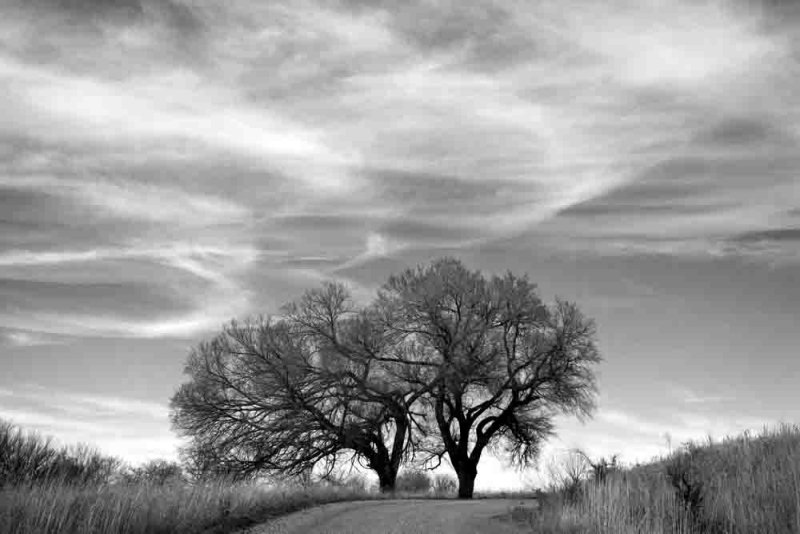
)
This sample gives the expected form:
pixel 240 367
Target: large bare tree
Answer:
pixel 445 362
pixel 497 363
pixel 284 395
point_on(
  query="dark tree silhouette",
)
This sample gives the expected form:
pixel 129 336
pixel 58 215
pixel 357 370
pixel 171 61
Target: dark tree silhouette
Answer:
pixel 445 362
pixel 281 396
pixel 497 364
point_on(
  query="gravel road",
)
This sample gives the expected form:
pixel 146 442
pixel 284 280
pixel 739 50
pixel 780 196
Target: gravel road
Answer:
pixel 401 517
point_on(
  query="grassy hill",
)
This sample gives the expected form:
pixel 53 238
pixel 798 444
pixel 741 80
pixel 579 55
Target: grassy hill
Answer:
pixel 744 484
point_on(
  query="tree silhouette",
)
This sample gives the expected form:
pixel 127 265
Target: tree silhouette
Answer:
pixel 285 395
pixel 499 364
pixel 444 362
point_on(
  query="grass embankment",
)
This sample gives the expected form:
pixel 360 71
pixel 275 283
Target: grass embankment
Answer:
pixel 47 489
pixel 742 485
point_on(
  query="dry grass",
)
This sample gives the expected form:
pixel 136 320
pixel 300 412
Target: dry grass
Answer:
pixel 139 508
pixel 48 489
pixel 747 484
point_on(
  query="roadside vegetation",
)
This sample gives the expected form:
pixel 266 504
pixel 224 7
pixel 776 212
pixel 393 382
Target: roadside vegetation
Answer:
pixel 46 489
pixel 741 485
pixel 744 484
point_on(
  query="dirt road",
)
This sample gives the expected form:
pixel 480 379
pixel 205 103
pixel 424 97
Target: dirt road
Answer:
pixel 401 517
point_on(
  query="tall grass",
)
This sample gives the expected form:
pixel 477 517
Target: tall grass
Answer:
pixel 747 484
pixel 147 508
pixel 47 489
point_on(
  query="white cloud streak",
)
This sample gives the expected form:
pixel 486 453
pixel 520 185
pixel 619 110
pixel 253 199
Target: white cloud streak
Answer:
pixel 31 339
pixel 521 112
pixel 113 424
pixel 130 200
pixel 148 110
pixel 223 299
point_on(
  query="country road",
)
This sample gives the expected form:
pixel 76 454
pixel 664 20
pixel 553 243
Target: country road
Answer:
pixel 401 517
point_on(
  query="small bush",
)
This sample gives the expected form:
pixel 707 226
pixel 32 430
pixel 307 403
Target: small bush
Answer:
pixel 603 468
pixel 155 472
pixel 351 481
pixel 414 481
pixel 357 483
pixel 444 484
pixel 687 482
pixel 567 475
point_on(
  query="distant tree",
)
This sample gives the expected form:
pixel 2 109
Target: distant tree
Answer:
pixel 282 396
pixel 497 364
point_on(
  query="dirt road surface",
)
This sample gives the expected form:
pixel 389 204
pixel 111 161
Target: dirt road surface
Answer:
pixel 401 517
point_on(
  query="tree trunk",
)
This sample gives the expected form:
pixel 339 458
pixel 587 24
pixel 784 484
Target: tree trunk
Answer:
pixel 466 480
pixel 387 478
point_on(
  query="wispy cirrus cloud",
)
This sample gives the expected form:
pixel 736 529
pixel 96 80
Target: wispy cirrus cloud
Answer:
pixel 207 149
pixel 130 297
pixel 690 397
pixel 21 338
pixel 158 203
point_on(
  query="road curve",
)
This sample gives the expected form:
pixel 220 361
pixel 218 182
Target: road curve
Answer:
pixel 401 517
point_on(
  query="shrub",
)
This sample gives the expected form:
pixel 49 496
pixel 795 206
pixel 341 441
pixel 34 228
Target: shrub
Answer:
pixel 26 458
pixel 603 468
pixel 414 481
pixel 156 472
pixel 567 475
pixel 351 481
pixel 687 482
pixel 444 484
pixel 356 483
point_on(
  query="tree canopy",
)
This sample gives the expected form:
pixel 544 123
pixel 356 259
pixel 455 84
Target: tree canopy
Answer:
pixel 503 362
pixel 443 363
pixel 280 396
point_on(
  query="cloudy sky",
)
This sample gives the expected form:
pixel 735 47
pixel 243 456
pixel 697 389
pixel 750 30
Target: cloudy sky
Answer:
pixel 167 165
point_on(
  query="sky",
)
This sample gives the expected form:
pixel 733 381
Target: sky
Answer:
pixel 168 165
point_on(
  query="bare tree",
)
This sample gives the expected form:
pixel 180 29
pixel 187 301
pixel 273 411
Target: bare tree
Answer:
pixel 496 362
pixel 445 362
pixel 285 395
